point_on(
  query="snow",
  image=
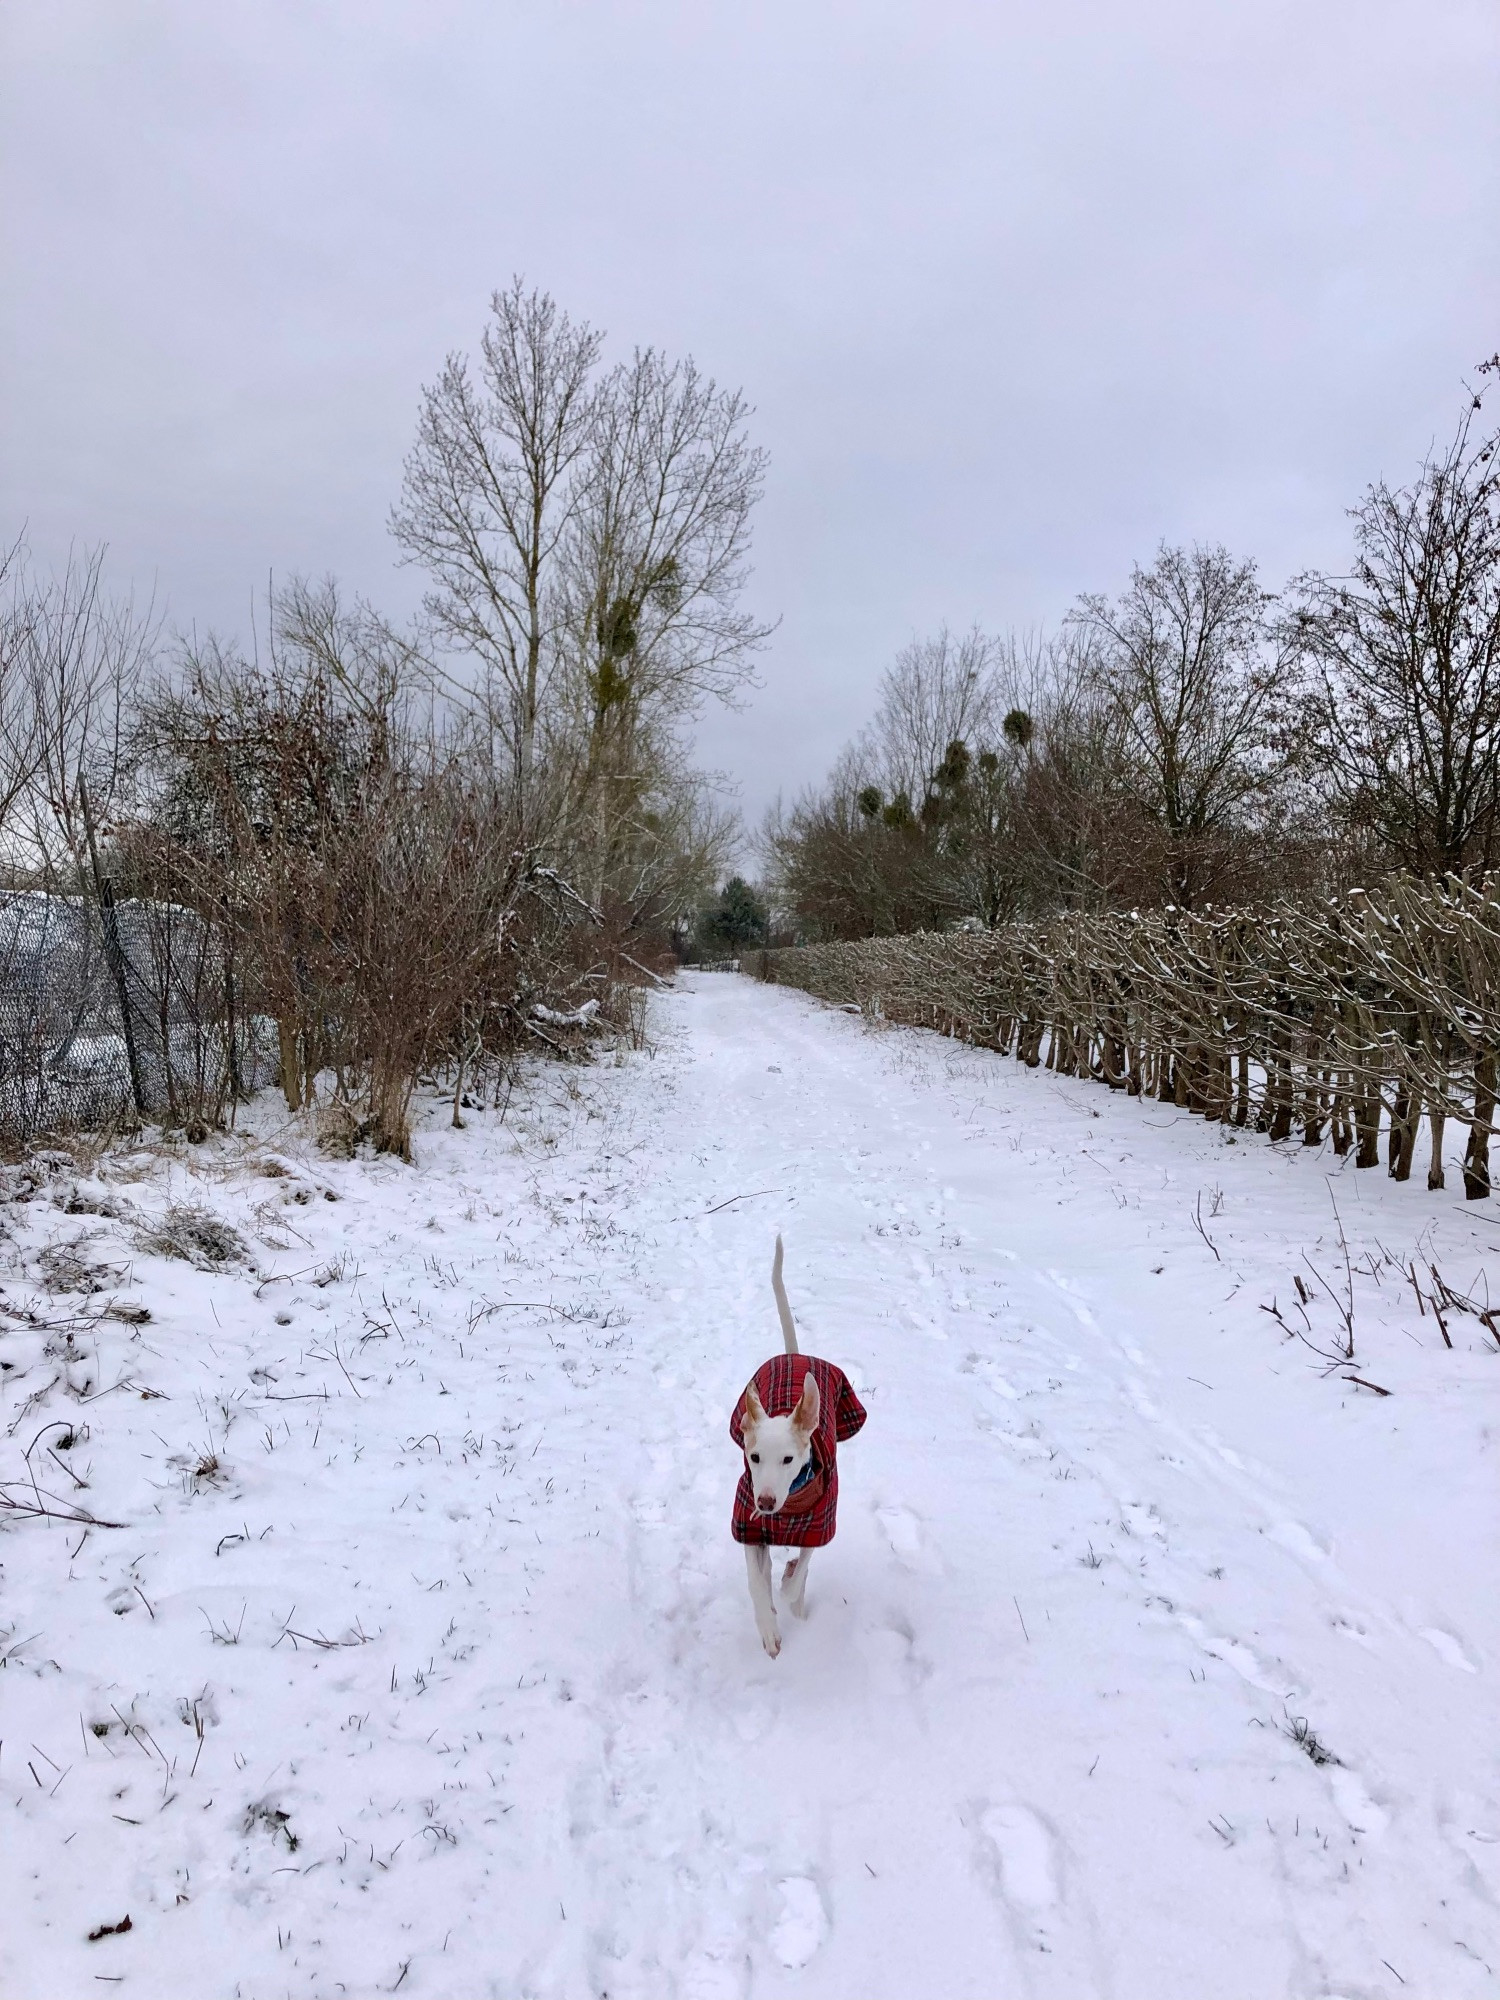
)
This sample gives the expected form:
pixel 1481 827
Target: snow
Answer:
pixel 1153 1656
pixel 579 1017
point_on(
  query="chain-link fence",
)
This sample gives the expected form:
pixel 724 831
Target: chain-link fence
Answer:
pixel 115 1013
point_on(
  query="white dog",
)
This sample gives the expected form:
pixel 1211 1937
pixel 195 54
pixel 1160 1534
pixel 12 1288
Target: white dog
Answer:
pixel 794 1414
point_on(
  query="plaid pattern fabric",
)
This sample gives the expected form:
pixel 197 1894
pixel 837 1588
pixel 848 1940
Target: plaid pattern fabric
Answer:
pixel 810 1515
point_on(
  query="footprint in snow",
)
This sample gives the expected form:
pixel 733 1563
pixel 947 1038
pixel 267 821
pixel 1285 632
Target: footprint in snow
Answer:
pixel 1079 1311
pixel 990 1375
pixel 1141 1518
pixel 1251 1668
pixel 1449 1650
pixel 928 1328
pixel 802 1925
pixel 1142 1403
pixel 904 1533
pixel 893 1646
pixel 717 1972
pixel 1355 1803
pixel 1028 1863
pixel 1301 1541
pixel 1023 1445
pixel 1351 1628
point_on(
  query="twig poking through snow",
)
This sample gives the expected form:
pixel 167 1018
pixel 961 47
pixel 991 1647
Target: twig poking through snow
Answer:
pixel 77 1515
pixel 754 1195
pixel 1363 1384
pixel 1198 1225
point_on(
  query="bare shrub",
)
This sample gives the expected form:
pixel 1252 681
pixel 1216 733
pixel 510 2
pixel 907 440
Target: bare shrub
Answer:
pixel 348 861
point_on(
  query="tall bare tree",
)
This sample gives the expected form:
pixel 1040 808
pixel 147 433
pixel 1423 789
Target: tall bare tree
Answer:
pixel 1185 659
pixel 587 535
pixel 656 564
pixel 1405 656
pixel 491 488
pixel 20 735
pixel 74 659
pixel 71 660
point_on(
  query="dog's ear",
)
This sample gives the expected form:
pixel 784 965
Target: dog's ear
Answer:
pixel 753 1412
pixel 809 1406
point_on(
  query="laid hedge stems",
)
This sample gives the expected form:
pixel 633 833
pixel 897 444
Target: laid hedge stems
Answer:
pixel 1329 1020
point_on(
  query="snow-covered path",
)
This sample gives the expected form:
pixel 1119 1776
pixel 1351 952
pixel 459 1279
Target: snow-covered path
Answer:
pixel 1147 1661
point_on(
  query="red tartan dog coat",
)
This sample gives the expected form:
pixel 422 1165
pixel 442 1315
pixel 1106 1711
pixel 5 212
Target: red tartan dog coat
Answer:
pixel 810 1513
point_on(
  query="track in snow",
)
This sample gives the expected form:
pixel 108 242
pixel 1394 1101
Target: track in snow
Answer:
pixel 1111 1562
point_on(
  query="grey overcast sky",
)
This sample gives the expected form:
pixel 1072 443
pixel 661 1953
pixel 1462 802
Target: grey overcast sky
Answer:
pixel 1017 290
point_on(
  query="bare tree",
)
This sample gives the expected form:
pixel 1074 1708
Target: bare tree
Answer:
pixel 658 552
pixel 1049 801
pixel 379 669
pixel 587 539
pixel 1186 661
pixel 342 836
pixel 20 735
pixel 936 692
pixel 655 847
pixel 1405 654
pixel 77 658
pixel 916 827
pixel 656 564
pixel 490 490
pixel 72 660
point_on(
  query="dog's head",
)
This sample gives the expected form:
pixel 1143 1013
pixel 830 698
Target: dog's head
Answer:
pixel 777 1448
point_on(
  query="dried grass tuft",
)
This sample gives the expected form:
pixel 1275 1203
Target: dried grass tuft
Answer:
pixel 67 1267
pixel 195 1234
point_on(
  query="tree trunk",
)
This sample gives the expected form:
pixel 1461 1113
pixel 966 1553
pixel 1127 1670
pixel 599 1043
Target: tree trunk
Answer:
pixel 1436 1119
pixel 1341 1127
pixel 1279 1083
pixel 1242 1088
pixel 1165 1063
pixel 1367 1122
pixel 114 952
pixel 1405 1112
pixel 1477 1157
pixel 290 1061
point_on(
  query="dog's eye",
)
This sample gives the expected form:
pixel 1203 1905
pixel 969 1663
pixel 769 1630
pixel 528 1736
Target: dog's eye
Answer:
pixel 788 1459
pixel 755 1458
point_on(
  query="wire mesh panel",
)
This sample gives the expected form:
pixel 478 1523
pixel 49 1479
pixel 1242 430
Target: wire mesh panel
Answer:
pixel 118 1014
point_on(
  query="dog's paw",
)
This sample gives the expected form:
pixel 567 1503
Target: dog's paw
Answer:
pixel 770 1638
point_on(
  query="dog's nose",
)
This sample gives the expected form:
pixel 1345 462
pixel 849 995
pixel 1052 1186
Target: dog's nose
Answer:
pixel 766 1502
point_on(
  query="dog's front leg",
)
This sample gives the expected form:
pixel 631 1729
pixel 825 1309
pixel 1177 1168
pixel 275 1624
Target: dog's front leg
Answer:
pixel 794 1583
pixel 758 1566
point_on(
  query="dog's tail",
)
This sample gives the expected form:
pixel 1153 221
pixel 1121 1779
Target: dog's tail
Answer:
pixel 788 1324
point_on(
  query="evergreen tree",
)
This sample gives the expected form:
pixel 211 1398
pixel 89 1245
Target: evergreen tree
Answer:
pixel 736 921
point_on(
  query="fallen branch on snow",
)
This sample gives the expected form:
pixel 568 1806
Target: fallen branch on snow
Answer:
pixel 37 1508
